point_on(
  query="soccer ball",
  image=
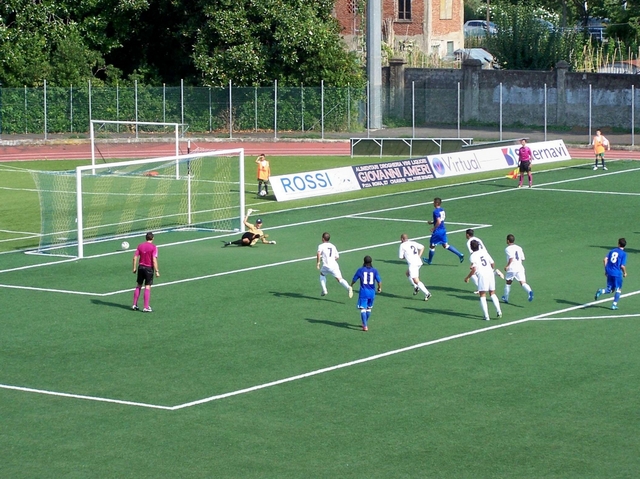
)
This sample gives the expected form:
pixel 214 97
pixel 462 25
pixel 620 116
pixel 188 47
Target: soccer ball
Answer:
pixel 262 193
pixel 125 245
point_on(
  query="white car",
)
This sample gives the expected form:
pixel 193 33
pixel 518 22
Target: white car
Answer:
pixel 478 28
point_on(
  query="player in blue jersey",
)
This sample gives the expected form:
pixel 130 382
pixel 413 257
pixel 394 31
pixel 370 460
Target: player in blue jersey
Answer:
pixel 368 277
pixel 439 233
pixel 615 269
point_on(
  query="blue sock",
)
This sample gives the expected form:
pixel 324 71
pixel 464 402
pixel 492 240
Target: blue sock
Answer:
pixel 454 251
pixel 364 317
pixel 616 297
pixel 431 253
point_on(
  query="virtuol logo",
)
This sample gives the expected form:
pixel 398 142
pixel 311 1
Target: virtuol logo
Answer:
pixel 438 166
pixel 510 155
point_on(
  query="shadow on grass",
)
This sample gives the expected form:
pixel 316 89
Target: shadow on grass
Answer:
pixel 280 294
pixel 99 302
pixel 335 324
pixel 610 247
pixel 447 312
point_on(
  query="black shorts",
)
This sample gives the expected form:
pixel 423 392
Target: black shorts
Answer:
pixel 251 237
pixel 525 166
pixel 145 275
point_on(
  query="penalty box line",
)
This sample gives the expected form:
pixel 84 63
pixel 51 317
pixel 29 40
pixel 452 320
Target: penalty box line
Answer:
pixel 309 374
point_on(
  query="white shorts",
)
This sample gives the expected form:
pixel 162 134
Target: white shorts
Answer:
pixel 414 270
pixel 486 282
pixel 333 271
pixel 518 275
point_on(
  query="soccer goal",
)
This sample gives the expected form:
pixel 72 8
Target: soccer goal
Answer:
pixel 111 140
pixel 102 202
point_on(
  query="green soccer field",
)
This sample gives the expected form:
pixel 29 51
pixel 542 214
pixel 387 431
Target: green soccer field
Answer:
pixel 244 371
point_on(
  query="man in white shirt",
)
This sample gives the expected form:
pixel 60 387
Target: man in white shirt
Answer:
pixel 482 267
pixel 328 255
pixel 514 269
pixel 412 253
pixel 470 237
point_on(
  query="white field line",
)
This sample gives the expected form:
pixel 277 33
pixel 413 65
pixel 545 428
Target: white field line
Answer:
pixel 20 232
pixel 612 193
pixel 316 372
pixel 619 316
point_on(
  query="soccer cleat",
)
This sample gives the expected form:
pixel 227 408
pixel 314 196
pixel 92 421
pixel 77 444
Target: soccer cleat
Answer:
pixel 530 296
pixel 595 168
pixel 614 306
pixel 598 294
pixel 519 186
pixel 147 310
pixel 499 314
pixel 530 186
pixel 135 307
pixel 350 292
pixel 604 168
pixel 426 261
pixel 226 243
pixel 504 299
pixel 461 258
pixel 426 298
pixel 323 293
pixel 487 318
pixel 476 292
pixel 415 290
pixel 364 328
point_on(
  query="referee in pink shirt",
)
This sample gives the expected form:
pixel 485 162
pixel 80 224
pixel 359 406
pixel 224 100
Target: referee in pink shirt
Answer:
pixel 145 263
pixel 524 162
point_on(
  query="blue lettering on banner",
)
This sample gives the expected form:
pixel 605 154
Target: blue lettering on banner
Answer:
pixel 395 172
pixel 292 184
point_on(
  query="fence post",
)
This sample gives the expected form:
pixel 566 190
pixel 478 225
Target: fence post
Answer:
pixel 589 139
pixel 633 120
pixel 118 106
pixel 322 109
pixel 349 107
pixel 26 111
pixel 255 107
pixel 164 103
pixel 500 111
pixel 45 108
pixel 413 109
pixel 302 106
pixel 182 106
pixel 545 112
pixel 71 108
pixel 210 113
pixel 275 109
pixel 0 111
pixel 230 112
pixel 135 94
pixel 458 109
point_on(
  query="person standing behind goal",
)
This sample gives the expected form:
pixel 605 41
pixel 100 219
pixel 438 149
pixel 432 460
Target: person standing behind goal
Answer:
pixel 264 172
pixel 328 255
pixel 145 264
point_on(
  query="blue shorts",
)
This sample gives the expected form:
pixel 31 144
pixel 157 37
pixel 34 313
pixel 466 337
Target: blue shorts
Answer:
pixel 438 237
pixel 614 283
pixel 365 303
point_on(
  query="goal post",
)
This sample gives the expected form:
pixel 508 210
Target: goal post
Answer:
pixel 111 139
pixel 200 192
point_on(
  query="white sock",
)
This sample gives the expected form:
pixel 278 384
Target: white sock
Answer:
pixel 483 304
pixel 474 278
pixel 423 288
pixel 344 283
pixel 323 283
pixel 507 290
pixel 496 303
pixel 526 287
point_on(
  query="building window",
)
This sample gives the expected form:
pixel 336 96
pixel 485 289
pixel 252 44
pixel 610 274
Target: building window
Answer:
pixel 446 9
pixel 404 9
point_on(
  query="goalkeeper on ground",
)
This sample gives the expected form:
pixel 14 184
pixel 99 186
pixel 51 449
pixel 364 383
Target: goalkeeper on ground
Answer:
pixel 253 235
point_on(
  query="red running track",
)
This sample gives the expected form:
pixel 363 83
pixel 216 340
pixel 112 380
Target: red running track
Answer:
pixel 82 151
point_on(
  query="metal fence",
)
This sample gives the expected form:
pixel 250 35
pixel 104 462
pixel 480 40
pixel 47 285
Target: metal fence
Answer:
pixel 319 112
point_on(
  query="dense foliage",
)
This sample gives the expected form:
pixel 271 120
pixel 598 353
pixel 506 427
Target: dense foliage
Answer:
pixel 204 42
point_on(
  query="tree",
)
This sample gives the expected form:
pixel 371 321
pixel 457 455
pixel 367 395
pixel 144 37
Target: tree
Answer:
pixel 255 42
pixel 524 42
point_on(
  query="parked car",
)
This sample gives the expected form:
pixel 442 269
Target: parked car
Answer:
pixel 479 28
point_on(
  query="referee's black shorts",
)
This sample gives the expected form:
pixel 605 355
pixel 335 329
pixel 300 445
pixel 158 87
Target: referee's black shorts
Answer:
pixel 525 166
pixel 145 275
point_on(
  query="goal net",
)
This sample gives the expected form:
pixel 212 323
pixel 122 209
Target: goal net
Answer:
pixel 111 140
pixel 102 202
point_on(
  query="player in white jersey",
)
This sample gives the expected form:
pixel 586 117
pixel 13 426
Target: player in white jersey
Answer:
pixel 482 267
pixel 412 253
pixel 470 237
pixel 515 269
pixel 328 255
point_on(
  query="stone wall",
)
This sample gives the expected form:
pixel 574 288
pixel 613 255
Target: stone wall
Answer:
pixel 524 98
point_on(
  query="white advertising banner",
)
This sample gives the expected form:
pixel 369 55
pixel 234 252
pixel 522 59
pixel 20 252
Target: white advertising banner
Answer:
pixel 351 178
pixel 314 183
pixel 499 158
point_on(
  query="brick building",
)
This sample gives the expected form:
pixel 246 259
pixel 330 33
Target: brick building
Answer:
pixel 433 26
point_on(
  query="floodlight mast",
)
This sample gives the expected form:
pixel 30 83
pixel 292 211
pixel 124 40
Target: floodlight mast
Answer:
pixel 374 63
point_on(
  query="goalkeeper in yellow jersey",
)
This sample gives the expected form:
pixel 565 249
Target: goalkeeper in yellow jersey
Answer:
pixel 253 234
